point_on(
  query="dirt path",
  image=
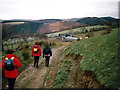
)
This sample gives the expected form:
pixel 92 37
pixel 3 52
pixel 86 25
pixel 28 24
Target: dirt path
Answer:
pixel 43 77
pixel 51 74
pixel 35 77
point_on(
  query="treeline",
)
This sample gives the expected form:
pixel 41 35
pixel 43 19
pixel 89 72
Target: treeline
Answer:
pixel 100 21
pixel 15 30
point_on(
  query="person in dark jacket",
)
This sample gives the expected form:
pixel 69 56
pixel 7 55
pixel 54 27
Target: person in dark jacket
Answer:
pixel 47 53
pixel 10 72
pixel 36 52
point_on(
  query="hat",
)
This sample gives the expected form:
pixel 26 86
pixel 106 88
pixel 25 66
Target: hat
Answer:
pixel 10 51
pixel 35 45
pixel 36 42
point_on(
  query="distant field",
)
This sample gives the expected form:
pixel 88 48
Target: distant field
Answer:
pixel 14 23
pixel 76 30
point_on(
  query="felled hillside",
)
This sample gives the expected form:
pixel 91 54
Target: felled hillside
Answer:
pixel 58 26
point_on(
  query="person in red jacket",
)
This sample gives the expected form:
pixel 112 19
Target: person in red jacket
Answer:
pixel 36 52
pixel 11 73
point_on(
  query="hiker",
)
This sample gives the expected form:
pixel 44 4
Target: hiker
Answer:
pixel 36 52
pixel 9 64
pixel 47 53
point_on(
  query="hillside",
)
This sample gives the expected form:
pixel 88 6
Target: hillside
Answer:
pixel 99 56
pixel 16 27
pixel 110 19
pixel 96 20
pixel 88 63
pixel 59 26
pixel 37 21
pixel 49 20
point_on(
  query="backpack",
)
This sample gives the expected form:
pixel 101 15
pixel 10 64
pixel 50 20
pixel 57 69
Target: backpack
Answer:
pixel 47 51
pixel 9 64
pixel 35 49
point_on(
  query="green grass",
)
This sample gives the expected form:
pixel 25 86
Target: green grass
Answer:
pixel 62 72
pixel 100 55
pixel 76 30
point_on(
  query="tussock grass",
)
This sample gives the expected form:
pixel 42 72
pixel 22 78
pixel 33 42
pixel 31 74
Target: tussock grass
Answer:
pixel 62 72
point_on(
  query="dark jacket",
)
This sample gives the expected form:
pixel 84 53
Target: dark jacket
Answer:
pixel 47 51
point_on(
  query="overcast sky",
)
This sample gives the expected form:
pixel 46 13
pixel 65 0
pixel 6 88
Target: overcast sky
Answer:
pixel 57 9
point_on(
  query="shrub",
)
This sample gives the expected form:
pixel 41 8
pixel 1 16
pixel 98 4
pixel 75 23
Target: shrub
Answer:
pixel 25 55
pixel 26 46
pixel 89 34
pixel 52 44
pixel 41 43
pixel 105 32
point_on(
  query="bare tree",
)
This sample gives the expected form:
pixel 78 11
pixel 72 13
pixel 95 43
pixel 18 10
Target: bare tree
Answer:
pixel 24 35
pixel 5 34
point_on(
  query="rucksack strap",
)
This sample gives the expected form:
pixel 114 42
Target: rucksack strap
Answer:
pixel 11 58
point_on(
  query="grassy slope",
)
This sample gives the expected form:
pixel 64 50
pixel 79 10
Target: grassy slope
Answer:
pixel 100 55
pixel 75 30
pixel 63 70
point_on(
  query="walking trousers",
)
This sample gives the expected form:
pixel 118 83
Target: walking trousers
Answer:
pixel 36 61
pixel 11 82
pixel 47 60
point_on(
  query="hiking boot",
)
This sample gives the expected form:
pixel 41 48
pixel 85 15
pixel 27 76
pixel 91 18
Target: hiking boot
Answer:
pixel 47 65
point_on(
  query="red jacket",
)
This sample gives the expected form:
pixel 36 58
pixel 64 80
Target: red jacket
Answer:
pixel 17 63
pixel 39 51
